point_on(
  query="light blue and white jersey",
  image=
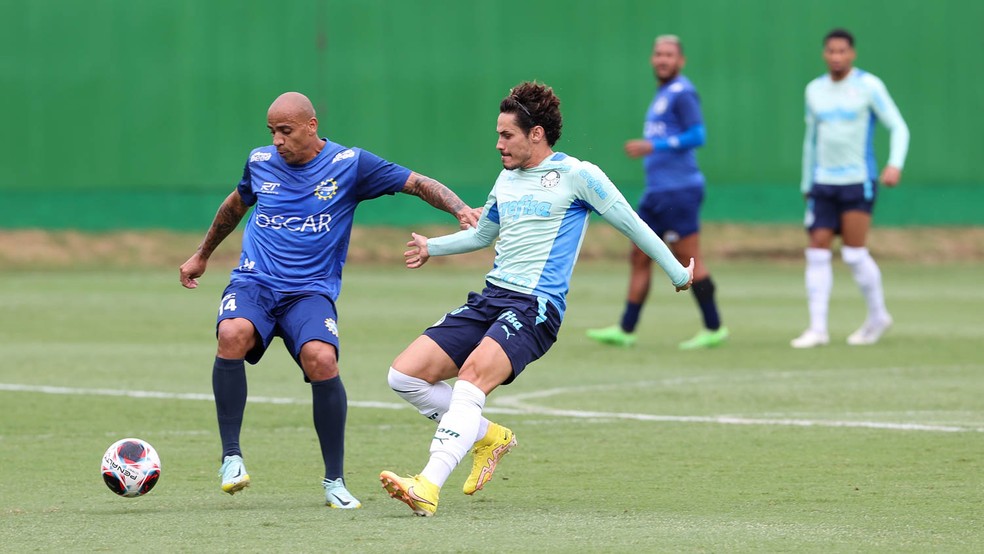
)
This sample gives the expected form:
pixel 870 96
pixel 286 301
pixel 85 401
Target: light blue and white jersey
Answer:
pixel 541 215
pixel 840 125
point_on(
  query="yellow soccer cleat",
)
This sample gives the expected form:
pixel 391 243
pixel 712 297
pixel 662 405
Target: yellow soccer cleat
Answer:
pixel 487 452
pixel 417 492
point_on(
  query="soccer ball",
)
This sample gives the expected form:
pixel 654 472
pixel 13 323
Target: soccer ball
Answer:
pixel 131 467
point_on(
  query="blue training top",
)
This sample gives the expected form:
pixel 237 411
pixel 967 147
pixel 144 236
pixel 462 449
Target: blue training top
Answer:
pixel 675 126
pixel 297 236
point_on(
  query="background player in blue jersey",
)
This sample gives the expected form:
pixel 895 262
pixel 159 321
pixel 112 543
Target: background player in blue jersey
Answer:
pixel 538 209
pixel 670 205
pixel 304 190
pixel 839 182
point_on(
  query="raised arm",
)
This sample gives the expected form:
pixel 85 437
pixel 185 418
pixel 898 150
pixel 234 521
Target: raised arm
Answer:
pixel 228 216
pixel 442 198
pixel 467 240
pixel 627 221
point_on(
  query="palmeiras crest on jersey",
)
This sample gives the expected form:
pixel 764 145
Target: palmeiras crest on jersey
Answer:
pixel 551 179
pixel 332 326
pixel 326 190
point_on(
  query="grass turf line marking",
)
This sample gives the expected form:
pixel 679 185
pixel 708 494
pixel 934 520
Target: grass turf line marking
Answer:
pixel 517 406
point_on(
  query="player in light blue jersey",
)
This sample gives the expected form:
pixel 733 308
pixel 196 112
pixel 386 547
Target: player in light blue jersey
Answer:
pixel 538 210
pixel 303 190
pixel 670 205
pixel 840 183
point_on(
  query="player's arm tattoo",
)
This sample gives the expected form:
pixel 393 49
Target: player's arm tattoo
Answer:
pixel 434 193
pixel 230 213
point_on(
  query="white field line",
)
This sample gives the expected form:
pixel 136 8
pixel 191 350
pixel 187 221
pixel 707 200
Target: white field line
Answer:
pixel 516 405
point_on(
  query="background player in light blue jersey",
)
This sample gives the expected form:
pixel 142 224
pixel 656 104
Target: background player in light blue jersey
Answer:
pixel 839 182
pixel 304 190
pixel 538 209
pixel 670 205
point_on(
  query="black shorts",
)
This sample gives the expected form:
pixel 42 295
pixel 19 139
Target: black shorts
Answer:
pixel 825 204
pixel 525 326
pixel 672 214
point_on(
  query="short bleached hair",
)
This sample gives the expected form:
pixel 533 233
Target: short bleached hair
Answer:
pixel 674 39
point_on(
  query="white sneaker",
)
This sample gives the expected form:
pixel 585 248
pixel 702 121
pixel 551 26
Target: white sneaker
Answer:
pixel 810 339
pixel 870 332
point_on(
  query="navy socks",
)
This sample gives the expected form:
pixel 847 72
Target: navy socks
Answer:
pixel 229 388
pixel 704 294
pixel 330 410
pixel 630 317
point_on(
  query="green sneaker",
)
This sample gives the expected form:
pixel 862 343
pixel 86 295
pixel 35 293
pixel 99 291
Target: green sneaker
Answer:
pixel 613 335
pixel 706 339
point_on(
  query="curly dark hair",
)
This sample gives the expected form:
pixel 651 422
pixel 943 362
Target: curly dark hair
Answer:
pixel 839 33
pixel 534 104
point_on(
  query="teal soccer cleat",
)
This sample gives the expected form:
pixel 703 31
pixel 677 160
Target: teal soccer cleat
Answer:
pixel 337 496
pixel 234 476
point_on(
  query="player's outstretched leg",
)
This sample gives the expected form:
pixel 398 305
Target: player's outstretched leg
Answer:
pixel 337 496
pixel 416 491
pixel 233 473
pixel 487 452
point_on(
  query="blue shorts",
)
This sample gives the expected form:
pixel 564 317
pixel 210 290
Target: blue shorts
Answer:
pixel 825 204
pixel 524 325
pixel 672 214
pixel 295 317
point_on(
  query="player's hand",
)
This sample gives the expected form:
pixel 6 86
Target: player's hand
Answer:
pixel 690 271
pixel 468 217
pixel 190 271
pixel 890 176
pixel 417 255
pixel 638 148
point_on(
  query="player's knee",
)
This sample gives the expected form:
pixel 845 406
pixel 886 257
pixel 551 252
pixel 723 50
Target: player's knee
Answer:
pixel 818 256
pixel 319 361
pixel 236 337
pixel 403 384
pixel 853 255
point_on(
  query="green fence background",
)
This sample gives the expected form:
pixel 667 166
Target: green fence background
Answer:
pixel 124 114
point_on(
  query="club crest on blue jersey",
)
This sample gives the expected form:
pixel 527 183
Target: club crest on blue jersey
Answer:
pixel 551 179
pixel 326 190
pixel 332 326
pixel 259 157
pixel 660 106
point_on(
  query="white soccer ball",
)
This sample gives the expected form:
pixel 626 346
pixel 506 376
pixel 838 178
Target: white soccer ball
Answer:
pixel 131 467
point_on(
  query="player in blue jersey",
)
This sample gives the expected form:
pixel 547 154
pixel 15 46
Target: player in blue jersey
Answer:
pixel 840 183
pixel 538 209
pixel 670 205
pixel 304 190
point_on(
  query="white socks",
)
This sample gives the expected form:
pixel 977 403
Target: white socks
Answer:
pixel 432 401
pixel 456 432
pixel 819 281
pixel 868 277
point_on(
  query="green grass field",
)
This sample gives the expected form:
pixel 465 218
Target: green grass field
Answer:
pixel 754 447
